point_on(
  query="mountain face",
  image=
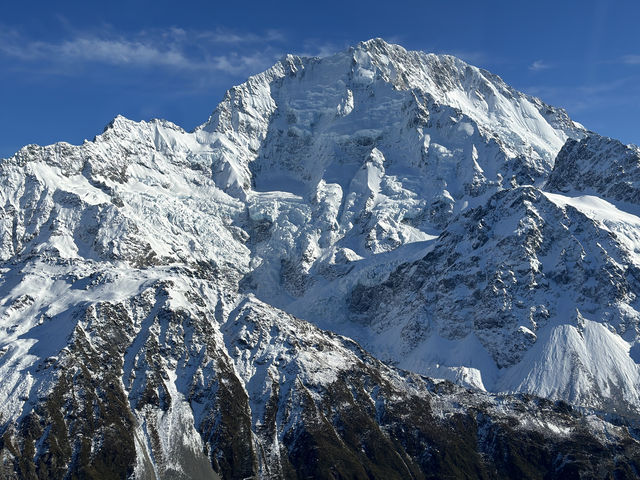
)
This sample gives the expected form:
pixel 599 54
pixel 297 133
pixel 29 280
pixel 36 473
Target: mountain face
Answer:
pixel 379 264
pixel 598 165
pixel 529 292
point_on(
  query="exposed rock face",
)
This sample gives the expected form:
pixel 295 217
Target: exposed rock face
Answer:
pixel 599 165
pixel 153 386
pixel 545 290
pixel 187 305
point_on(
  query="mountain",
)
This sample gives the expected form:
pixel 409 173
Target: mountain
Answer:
pixel 290 290
pixel 530 292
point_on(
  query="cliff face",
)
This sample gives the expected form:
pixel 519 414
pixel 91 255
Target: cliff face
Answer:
pixel 598 165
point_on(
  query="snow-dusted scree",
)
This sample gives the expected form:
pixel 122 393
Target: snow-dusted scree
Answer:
pixel 260 298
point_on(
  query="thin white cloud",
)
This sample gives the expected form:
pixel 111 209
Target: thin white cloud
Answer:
pixel 583 98
pixel 118 52
pixel 174 48
pixel 631 59
pixel 223 36
pixel 327 50
pixel 238 64
pixel 539 65
pixel 314 47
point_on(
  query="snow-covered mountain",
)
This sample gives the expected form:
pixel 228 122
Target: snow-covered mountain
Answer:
pixel 261 297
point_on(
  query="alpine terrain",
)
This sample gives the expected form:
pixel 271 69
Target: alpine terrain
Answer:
pixel 379 264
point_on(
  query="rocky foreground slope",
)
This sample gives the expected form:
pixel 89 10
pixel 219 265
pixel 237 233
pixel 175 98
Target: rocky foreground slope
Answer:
pixel 283 292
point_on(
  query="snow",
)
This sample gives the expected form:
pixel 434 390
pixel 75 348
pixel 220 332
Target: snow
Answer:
pixel 576 366
pixel 465 362
pixel 624 225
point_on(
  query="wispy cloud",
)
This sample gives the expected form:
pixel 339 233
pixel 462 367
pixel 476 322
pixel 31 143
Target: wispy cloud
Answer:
pixel 223 36
pixel 539 65
pixel 631 59
pixel 219 51
pixel 315 47
pixel 327 49
pixel 588 97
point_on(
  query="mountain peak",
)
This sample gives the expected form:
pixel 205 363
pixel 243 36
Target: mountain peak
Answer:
pixel 299 98
pixel 379 45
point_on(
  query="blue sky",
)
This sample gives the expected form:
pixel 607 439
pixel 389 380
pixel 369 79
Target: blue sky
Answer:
pixel 68 67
